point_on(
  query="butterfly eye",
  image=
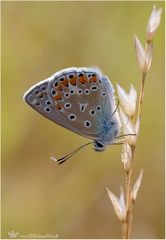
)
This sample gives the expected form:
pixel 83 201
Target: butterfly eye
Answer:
pixel 98 108
pixel 47 109
pixel 53 92
pixel 99 146
pixel 72 117
pixel 87 124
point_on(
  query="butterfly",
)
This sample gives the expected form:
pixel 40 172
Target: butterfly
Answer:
pixel 81 100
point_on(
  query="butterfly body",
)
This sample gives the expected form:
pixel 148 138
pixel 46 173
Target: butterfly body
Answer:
pixel 79 99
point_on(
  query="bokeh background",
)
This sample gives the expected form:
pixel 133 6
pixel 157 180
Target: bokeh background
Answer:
pixel 39 197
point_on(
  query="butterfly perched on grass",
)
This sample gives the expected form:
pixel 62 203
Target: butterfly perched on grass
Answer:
pixel 81 100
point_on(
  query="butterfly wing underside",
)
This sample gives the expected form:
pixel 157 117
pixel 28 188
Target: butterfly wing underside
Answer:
pixel 76 98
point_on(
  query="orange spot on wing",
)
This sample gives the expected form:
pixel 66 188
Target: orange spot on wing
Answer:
pixel 93 79
pixel 59 106
pixel 58 96
pixel 73 80
pixel 59 87
pixel 83 79
pixel 65 82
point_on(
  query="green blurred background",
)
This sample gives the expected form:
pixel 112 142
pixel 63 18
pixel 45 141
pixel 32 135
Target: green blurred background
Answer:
pixel 38 39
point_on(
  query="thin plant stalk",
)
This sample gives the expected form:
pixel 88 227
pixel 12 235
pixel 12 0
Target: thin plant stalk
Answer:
pixel 143 77
pixel 130 114
pixel 129 208
pixel 129 202
pixel 141 95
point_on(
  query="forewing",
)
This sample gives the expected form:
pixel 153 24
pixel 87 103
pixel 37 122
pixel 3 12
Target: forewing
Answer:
pixel 82 98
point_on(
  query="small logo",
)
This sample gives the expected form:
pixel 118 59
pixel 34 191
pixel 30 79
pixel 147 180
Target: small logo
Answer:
pixel 13 234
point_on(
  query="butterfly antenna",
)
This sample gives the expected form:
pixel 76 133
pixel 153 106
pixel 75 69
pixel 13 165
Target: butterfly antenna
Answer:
pixel 128 134
pixel 117 143
pixel 69 155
